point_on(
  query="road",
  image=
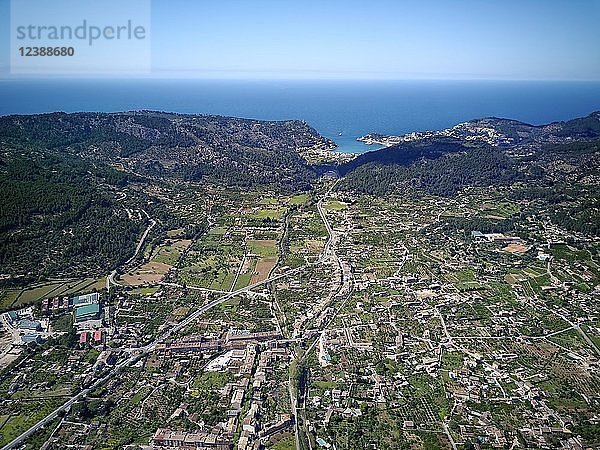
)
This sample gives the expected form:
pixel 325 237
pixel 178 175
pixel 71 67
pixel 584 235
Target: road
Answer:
pixel 240 267
pixel 447 431
pixel 144 236
pixel 328 227
pixel 182 324
pixel 143 351
pixel 576 327
pixel 344 289
pixel 110 279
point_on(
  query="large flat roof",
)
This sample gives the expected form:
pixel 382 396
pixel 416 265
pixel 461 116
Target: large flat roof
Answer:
pixel 87 310
pixel 94 297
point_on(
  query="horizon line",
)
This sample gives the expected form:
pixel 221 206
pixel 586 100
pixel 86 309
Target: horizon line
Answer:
pixel 134 77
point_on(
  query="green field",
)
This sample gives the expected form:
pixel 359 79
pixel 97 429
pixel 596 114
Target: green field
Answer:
pixel 144 291
pixel 20 298
pixel 270 213
pixel 7 298
pixel 168 254
pixel 301 199
pixel 264 248
pixel 269 201
pixel 243 281
pixel 334 205
pixel 503 209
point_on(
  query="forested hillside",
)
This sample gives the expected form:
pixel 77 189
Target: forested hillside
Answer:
pixel 62 177
pixel 439 174
pixel 229 151
pixel 481 152
pixel 58 217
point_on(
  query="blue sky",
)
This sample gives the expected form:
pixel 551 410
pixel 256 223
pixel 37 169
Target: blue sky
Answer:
pixel 389 39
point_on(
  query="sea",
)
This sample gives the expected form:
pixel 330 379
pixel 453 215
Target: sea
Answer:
pixel 339 110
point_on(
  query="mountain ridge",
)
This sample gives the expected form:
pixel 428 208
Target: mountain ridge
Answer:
pixel 190 147
pixel 509 150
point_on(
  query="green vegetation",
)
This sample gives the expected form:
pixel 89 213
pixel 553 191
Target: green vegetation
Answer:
pixel 211 381
pixel 334 205
pixel 410 323
pixel 18 421
pixel 286 443
pixel 301 199
pixel 59 192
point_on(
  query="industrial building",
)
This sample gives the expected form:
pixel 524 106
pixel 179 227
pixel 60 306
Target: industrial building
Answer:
pixel 29 325
pixel 86 299
pixel 29 338
pixel 87 312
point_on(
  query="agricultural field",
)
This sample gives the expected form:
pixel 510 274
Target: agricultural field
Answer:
pixel 33 294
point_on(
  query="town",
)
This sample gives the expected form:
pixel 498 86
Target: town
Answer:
pixel 322 320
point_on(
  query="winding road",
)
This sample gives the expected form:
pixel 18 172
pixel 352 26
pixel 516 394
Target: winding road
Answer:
pixel 142 351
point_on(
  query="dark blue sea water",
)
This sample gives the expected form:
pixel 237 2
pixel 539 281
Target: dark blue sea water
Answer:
pixel 340 110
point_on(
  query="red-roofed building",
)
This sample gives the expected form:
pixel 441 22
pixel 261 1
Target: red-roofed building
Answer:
pixel 83 338
pixel 97 336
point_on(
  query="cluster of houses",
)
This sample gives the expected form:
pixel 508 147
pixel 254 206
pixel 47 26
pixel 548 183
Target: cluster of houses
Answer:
pixel 165 438
pixel 234 339
pixel 249 357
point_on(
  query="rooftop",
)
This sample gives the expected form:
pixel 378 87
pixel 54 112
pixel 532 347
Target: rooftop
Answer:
pixel 87 310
